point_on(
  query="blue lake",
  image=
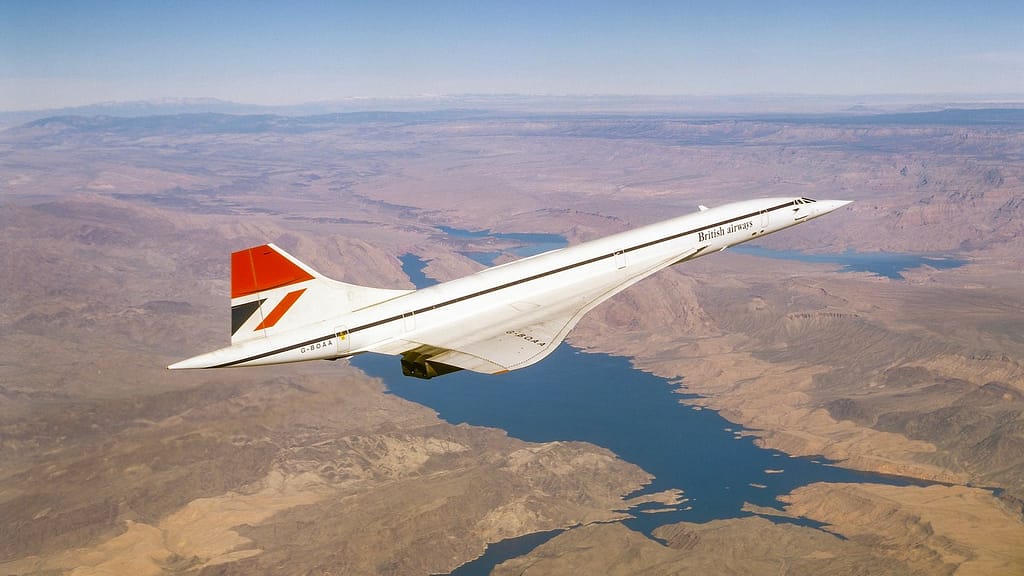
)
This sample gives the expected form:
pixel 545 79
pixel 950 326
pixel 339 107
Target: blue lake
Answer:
pixel 529 243
pixel 602 399
pixel 888 264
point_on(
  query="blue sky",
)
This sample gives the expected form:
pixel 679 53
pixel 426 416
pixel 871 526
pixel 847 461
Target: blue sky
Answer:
pixel 70 53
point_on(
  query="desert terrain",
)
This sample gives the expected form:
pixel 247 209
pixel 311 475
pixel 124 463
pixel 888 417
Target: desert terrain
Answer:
pixel 116 235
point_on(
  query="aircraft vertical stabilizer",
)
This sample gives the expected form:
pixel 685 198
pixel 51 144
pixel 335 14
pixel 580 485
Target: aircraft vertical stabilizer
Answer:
pixel 272 291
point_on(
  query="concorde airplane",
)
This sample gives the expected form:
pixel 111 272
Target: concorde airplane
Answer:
pixel 499 319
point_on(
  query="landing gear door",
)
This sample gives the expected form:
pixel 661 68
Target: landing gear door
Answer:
pixel 341 339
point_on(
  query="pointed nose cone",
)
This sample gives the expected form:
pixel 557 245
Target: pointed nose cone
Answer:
pixel 826 206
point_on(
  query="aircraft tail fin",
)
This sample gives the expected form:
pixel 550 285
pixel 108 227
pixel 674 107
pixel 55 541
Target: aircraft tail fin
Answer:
pixel 272 291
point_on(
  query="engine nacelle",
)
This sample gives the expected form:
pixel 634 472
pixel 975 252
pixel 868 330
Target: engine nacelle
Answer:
pixel 417 366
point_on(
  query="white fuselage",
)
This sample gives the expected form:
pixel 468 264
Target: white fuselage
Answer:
pixel 565 283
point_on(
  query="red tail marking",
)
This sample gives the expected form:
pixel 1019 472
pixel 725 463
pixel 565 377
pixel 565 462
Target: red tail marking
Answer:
pixel 261 268
pixel 280 309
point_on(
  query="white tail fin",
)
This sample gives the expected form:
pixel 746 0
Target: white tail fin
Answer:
pixel 271 291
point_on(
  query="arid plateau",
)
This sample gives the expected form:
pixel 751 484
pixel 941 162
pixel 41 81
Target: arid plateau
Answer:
pixel 116 234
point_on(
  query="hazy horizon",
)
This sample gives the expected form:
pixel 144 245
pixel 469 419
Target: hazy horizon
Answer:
pixel 706 105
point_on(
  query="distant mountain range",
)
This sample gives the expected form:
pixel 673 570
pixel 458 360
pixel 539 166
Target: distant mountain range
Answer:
pixel 768 104
pixel 604 125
